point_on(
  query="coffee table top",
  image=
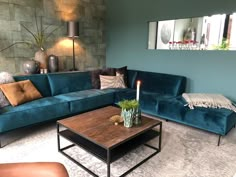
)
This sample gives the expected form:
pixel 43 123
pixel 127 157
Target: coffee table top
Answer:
pixel 96 127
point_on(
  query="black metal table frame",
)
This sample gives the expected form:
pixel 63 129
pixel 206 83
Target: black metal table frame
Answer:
pixel 108 160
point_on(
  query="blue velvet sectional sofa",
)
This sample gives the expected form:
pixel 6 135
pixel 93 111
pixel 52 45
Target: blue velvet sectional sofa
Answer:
pixel 161 96
pixel 67 94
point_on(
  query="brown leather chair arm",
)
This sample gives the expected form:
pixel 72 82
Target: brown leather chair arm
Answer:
pixel 33 169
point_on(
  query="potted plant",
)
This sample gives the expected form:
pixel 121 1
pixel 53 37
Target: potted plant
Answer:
pixel 128 111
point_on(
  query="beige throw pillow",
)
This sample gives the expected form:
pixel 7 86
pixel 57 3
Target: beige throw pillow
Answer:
pixel 20 92
pixel 112 81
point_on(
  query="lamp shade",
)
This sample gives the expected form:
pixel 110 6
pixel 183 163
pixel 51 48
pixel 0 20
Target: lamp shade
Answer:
pixel 73 29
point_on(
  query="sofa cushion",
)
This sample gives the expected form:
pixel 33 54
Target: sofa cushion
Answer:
pixel 149 101
pixel 96 73
pixel 40 81
pixel 124 72
pixel 32 112
pixel 88 99
pixel 161 83
pixel 61 83
pixel 132 75
pixel 172 108
pixel 112 81
pixel 20 92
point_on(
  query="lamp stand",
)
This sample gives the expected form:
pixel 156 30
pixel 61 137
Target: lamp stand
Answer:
pixel 73 32
pixel 74 69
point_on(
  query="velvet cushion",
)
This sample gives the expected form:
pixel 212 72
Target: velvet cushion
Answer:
pixel 61 83
pixel 88 99
pixel 112 81
pixel 123 70
pixel 161 83
pixel 132 75
pixel 95 76
pixel 20 92
pixel 40 81
pixel 4 79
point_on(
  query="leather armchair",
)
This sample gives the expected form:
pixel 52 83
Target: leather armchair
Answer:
pixel 33 169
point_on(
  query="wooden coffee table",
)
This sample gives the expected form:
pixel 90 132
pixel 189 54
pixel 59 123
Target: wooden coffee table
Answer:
pixel 93 132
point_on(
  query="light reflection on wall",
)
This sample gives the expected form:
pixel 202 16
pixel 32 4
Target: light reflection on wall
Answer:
pixel 68 9
pixel 64 48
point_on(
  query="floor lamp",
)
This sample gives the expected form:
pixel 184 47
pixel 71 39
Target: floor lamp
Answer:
pixel 73 32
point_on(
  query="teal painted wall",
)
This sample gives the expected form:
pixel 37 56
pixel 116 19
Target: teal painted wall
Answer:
pixel 127 32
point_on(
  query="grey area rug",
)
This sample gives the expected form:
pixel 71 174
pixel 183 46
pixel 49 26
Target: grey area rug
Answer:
pixel 186 152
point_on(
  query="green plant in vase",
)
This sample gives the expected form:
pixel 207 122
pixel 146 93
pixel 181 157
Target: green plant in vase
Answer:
pixel 128 111
pixel 39 36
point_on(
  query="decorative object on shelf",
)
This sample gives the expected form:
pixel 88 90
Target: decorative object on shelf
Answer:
pixel 73 32
pixel 31 67
pixel 41 57
pixel 128 111
pixel 116 119
pixel 53 63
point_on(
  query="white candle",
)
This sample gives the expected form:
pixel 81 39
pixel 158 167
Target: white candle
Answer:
pixel 138 90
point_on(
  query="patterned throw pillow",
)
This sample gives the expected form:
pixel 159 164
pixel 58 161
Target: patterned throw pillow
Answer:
pixel 95 76
pixel 112 81
pixel 5 78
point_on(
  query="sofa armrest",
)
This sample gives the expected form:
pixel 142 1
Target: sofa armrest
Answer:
pixel 33 169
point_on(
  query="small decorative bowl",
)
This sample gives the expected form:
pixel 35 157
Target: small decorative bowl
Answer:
pixel 116 119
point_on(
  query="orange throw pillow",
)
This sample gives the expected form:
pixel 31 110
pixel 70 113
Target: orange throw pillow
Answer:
pixel 20 92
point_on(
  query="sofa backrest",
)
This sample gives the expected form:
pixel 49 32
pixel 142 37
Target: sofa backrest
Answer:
pixel 40 81
pixel 132 75
pixel 69 82
pixel 161 83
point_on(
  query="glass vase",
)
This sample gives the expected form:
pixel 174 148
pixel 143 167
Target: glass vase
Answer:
pixel 128 116
pixel 137 117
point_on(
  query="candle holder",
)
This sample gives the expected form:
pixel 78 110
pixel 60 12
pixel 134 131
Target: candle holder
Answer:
pixel 137 118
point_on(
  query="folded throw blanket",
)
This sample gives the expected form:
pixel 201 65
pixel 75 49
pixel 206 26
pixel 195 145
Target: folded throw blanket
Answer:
pixel 208 101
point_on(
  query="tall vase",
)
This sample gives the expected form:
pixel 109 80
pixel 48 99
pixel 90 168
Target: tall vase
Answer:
pixel 41 57
pixel 53 63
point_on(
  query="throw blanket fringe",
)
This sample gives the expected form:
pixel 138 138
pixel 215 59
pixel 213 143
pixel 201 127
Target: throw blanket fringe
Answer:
pixel 208 101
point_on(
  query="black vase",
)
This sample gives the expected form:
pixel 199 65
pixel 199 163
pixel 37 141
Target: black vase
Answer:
pixel 53 63
pixel 31 67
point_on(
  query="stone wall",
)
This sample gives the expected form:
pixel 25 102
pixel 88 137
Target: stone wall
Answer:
pixel 89 47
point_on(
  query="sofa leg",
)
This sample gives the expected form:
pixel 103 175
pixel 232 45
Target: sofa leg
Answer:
pixel 219 140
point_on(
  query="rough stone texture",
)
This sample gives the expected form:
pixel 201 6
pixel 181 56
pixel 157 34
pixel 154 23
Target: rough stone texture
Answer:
pixel 89 47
